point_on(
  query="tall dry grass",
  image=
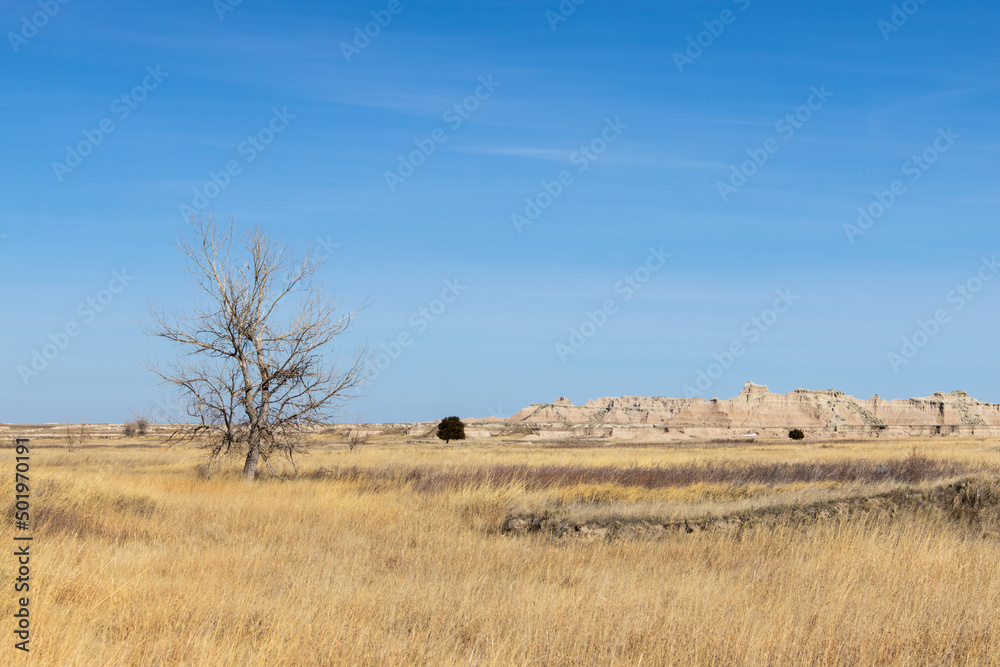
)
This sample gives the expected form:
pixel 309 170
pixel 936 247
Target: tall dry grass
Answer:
pixel 140 560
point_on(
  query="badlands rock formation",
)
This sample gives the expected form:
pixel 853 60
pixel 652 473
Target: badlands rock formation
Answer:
pixel 756 411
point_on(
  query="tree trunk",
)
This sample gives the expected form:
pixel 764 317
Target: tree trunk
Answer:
pixel 250 467
pixel 253 457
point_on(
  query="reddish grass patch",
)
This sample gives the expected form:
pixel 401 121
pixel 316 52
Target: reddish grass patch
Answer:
pixel 910 470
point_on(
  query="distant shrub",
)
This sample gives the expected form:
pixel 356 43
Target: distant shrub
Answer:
pixel 138 427
pixel 357 436
pixel 796 434
pixel 451 428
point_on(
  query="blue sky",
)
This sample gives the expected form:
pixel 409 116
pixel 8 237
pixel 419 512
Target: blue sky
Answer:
pixel 739 138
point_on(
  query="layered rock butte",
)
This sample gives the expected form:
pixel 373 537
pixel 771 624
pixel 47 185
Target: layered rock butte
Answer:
pixel 754 412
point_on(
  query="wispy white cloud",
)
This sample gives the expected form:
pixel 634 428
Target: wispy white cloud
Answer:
pixel 561 155
pixel 411 104
pixel 552 154
pixel 880 121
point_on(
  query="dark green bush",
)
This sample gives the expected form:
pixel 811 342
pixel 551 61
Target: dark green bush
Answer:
pixel 451 428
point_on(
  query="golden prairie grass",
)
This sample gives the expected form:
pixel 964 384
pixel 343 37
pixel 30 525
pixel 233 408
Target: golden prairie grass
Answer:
pixel 391 555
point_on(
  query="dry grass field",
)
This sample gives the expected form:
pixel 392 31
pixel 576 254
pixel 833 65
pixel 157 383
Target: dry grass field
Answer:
pixel 760 553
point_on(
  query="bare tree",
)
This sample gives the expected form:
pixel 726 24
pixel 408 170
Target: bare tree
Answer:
pixel 357 435
pixel 253 369
pixel 75 435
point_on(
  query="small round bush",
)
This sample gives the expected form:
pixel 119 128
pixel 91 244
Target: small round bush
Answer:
pixel 796 434
pixel 451 428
